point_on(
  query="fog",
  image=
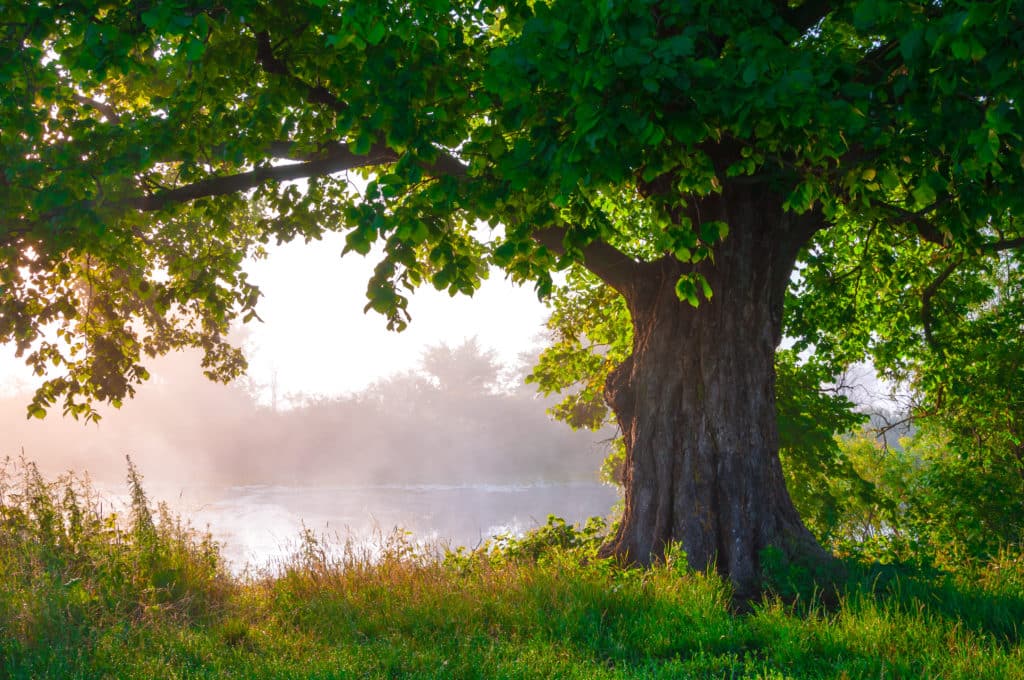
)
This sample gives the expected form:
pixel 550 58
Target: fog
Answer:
pixel 456 450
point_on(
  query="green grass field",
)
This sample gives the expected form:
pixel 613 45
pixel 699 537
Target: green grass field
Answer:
pixel 83 595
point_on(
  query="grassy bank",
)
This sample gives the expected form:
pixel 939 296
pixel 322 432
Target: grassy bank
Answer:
pixel 85 595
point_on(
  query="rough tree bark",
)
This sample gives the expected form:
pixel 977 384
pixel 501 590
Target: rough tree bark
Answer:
pixel 696 400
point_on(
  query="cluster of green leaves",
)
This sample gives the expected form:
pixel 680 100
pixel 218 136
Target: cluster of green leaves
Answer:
pixel 940 315
pixel 555 537
pixel 80 274
pixel 961 506
pixel 819 474
pixel 945 325
pixel 922 502
pixel 116 118
pixel 591 334
pixel 929 503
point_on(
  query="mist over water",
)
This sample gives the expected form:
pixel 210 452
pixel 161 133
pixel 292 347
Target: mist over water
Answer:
pixel 455 452
pixel 262 524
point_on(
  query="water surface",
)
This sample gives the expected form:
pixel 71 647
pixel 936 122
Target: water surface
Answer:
pixel 260 525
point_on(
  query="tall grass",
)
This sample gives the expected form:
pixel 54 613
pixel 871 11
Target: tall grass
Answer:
pixel 86 594
pixel 71 569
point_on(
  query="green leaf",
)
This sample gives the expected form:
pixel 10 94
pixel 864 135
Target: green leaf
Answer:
pixel 924 195
pixel 705 287
pixel 713 231
pixel 686 290
pixel 961 49
pixel 155 18
pixel 912 43
pixel 420 232
pixel 801 199
pixel 865 14
pixel 376 33
pixel 751 73
pixel 890 180
pixel 362 144
pixel 194 49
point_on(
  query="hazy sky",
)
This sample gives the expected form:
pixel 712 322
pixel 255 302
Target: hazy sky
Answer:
pixel 317 339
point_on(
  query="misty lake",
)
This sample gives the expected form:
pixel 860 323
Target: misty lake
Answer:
pixel 261 524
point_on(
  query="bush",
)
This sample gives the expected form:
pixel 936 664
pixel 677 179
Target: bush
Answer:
pixel 556 536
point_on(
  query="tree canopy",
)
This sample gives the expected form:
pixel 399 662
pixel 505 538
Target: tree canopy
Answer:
pixel 147 151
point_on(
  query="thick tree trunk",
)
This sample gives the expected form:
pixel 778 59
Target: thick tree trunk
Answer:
pixel 696 403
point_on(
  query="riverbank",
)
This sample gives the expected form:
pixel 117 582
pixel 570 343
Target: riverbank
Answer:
pixel 84 595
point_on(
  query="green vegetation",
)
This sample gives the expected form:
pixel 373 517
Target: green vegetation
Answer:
pixel 709 177
pixel 716 175
pixel 88 595
pixel 924 503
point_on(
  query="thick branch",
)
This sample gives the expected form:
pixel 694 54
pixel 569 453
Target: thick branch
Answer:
pixel 1002 244
pixel 929 293
pixel 106 109
pixel 338 160
pixel 446 164
pixel 316 94
pixel 925 228
pixel 608 263
pixel 325 160
pixel 931 233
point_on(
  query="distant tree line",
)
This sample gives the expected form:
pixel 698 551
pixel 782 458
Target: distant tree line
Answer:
pixel 461 417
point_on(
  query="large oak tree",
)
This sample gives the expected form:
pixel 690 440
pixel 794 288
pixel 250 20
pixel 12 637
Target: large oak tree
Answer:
pixel 689 155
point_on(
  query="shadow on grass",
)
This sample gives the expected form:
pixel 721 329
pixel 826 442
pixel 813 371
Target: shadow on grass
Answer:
pixel 988 599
